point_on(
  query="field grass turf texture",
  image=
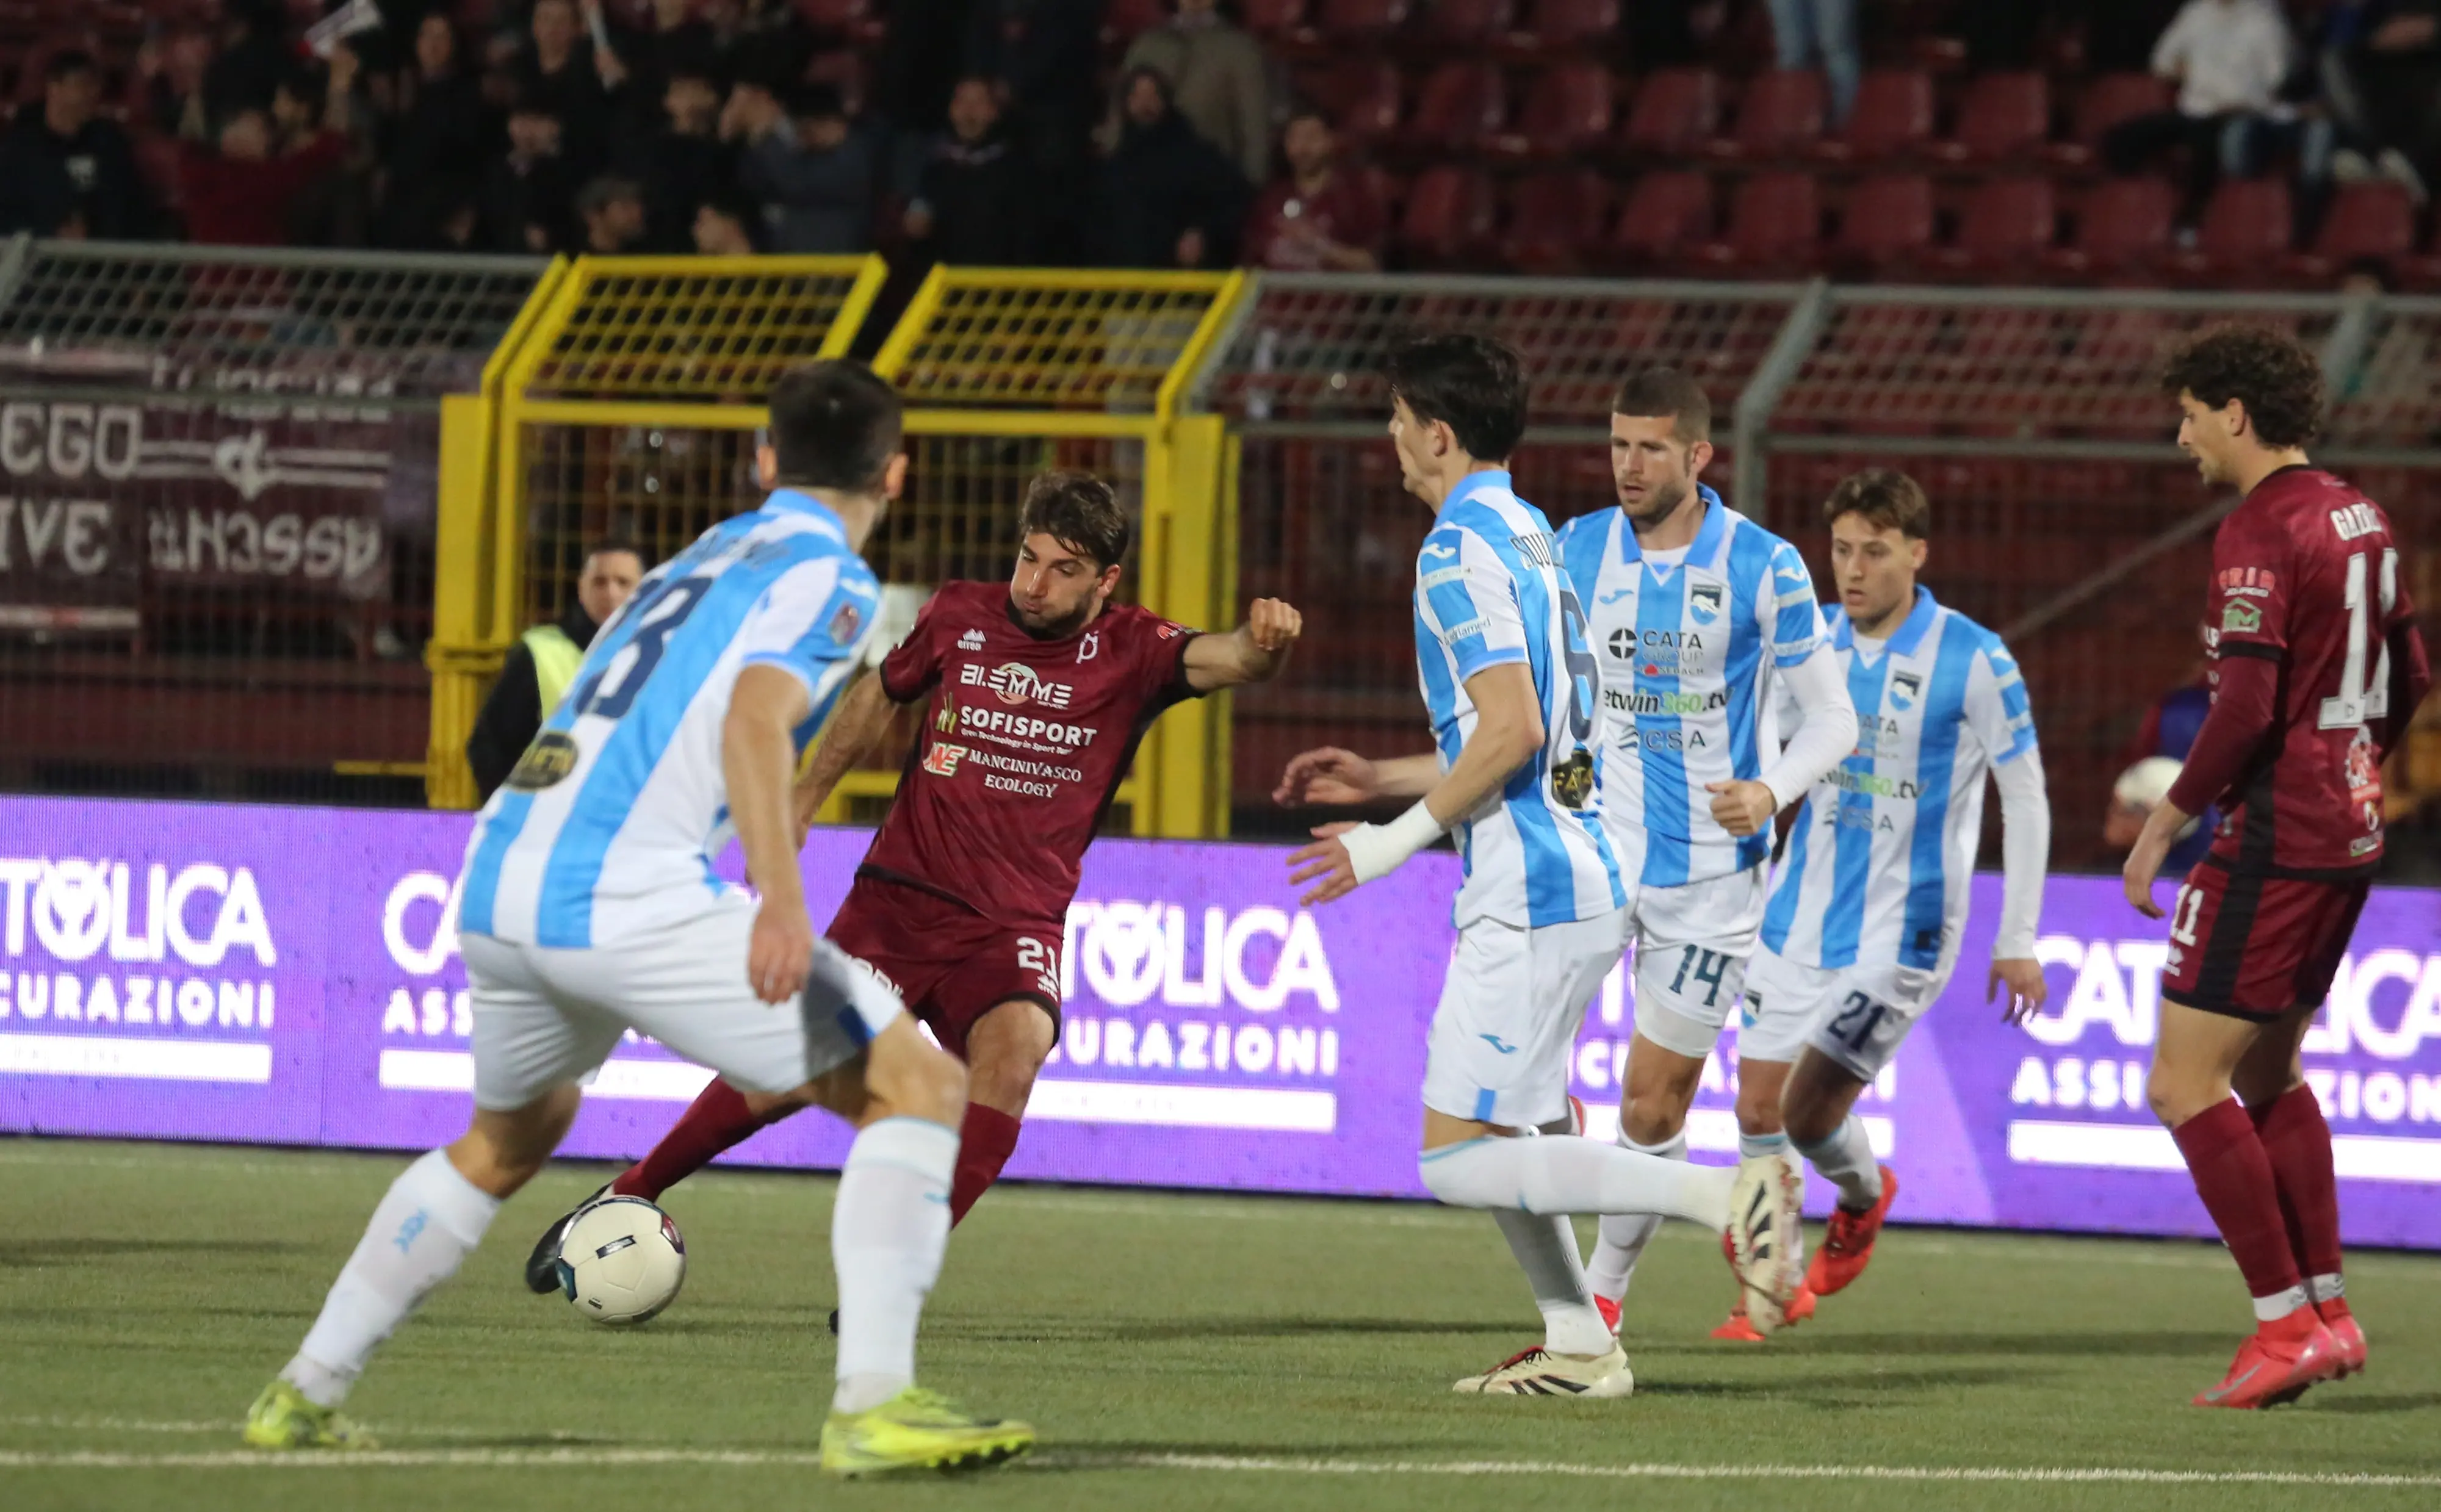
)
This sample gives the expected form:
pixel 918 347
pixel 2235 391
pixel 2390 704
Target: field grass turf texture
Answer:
pixel 1175 1350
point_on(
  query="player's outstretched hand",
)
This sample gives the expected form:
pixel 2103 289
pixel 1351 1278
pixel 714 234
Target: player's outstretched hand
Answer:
pixel 1273 625
pixel 1326 776
pixel 2145 859
pixel 1326 863
pixel 780 952
pixel 1742 808
pixel 2023 977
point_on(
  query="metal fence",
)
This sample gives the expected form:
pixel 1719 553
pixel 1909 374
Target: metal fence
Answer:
pixel 217 506
pixel 2065 516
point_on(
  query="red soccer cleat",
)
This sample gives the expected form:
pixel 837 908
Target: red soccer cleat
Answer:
pixel 1739 1329
pixel 1848 1247
pixel 2348 1336
pixel 2277 1365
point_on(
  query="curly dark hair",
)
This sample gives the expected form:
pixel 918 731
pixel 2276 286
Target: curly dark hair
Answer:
pixel 2270 371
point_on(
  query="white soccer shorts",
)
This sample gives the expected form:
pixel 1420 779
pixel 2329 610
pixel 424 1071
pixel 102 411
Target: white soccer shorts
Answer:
pixel 545 1017
pixel 1692 942
pixel 1498 1049
pixel 1855 1015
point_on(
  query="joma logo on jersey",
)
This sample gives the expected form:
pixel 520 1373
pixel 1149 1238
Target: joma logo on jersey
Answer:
pixel 1013 682
pixel 1639 701
pixel 942 760
pixel 2356 520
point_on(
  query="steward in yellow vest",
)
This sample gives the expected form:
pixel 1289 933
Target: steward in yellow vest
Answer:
pixel 542 665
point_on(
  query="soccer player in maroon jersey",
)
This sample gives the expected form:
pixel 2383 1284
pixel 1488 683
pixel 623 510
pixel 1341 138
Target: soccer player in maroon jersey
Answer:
pixel 1040 692
pixel 2316 666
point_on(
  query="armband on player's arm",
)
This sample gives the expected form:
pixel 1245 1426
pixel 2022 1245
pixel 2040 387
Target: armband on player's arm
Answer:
pixel 1378 850
pixel 1826 735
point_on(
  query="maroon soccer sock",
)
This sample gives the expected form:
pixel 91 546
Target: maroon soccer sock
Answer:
pixel 2297 1141
pixel 986 1141
pixel 718 1119
pixel 2232 1175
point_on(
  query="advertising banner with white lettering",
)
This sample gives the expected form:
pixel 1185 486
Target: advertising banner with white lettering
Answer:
pixel 289 976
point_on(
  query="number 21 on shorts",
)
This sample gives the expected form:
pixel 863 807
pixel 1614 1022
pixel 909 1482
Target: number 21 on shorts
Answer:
pixel 1043 961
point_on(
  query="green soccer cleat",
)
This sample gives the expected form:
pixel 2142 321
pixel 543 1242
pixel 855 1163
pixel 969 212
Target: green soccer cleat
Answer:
pixel 281 1418
pixel 918 1430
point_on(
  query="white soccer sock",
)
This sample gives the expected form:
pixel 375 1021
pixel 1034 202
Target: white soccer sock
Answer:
pixel 2280 1304
pixel 1624 1236
pixel 888 1228
pixel 2326 1289
pixel 1545 1248
pixel 1846 1161
pixel 1564 1173
pixel 425 1226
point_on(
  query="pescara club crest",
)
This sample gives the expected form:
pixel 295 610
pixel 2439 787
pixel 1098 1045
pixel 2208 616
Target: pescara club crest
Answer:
pixel 1905 687
pixel 1704 602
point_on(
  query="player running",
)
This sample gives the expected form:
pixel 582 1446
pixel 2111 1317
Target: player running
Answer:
pixel 2317 666
pixel 1863 928
pixel 1512 692
pixel 1040 692
pixel 1700 619
pixel 589 907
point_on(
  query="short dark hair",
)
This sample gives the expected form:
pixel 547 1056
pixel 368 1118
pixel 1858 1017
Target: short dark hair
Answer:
pixel 2270 371
pixel 1649 392
pixel 1078 510
pixel 606 545
pixel 834 424
pixel 67 62
pixel 1473 384
pixel 818 100
pixel 1887 499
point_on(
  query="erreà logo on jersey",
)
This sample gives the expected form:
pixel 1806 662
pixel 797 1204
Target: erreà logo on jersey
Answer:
pixel 942 760
pixel 972 640
pixel 1013 682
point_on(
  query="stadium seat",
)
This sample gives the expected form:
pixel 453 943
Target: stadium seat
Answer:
pixel 1667 216
pixel 1567 111
pixel 1556 220
pixel 1360 22
pixel 1775 226
pixel 2109 101
pixel 1781 116
pixel 1122 20
pixel 1675 111
pixel 1893 115
pixel 1459 105
pixel 1889 222
pixel 2246 232
pixel 1461 27
pixel 2006 227
pixel 1361 94
pixel 1449 216
pixel 2004 116
pixel 855 21
pixel 1581 28
pixel 2122 226
pixel 2366 224
pixel 1271 19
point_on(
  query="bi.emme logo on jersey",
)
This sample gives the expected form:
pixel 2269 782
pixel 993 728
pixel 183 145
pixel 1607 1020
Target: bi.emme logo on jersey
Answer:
pixel 1014 682
pixel 111 968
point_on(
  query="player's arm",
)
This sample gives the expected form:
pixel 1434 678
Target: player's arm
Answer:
pixel 1254 651
pixel 854 730
pixel 1826 727
pixel 758 755
pixel 2001 720
pixel 2410 676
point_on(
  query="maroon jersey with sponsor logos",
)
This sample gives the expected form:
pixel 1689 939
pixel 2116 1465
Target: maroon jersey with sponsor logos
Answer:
pixel 2307 581
pixel 1024 741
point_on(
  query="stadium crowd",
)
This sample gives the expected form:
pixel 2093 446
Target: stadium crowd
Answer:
pixel 1338 134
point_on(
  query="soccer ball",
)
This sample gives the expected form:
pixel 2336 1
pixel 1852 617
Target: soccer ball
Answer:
pixel 2144 786
pixel 622 1260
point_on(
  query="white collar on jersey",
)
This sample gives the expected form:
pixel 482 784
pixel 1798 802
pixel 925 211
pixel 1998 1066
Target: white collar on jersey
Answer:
pixel 1707 544
pixel 1910 633
pixel 797 501
pixel 1479 481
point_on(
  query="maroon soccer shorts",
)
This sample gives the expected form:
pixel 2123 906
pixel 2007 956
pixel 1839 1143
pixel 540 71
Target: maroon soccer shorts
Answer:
pixel 2254 946
pixel 949 964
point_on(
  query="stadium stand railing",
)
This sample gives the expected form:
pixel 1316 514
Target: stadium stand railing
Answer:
pixel 217 511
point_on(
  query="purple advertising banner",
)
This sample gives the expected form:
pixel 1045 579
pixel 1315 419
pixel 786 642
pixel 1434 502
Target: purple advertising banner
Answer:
pixel 291 976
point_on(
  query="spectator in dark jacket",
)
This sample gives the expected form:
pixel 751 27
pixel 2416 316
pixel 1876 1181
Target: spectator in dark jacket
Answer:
pixel 65 169
pixel 1166 198
pixel 969 204
pixel 439 129
pixel 680 160
pixel 1046 55
pixel 1321 216
pixel 556 72
pixel 253 53
pixel 613 210
pixel 247 194
pixel 528 189
pixel 816 172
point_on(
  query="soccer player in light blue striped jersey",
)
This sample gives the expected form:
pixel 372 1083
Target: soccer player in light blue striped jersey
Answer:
pixel 1701 619
pixel 589 907
pixel 1867 909
pixel 1514 694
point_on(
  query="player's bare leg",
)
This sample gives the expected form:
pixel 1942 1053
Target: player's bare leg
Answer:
pixel 1818 1110
pixel 2270 1081
pixel 2195 1064
pixel 1005 1049
pixel 1652 1103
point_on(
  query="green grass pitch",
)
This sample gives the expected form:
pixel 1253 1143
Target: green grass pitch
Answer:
pixel 1175 1351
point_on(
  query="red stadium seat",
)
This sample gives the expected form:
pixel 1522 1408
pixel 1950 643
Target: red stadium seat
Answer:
pixel 2246 232
pixel 1893 116
pixel 1567 111
pixel 1361 94
pixel 1775 224
pixel 2122 226
pixel 1464 25
pixel 2004 116
pixel 855 21
pixel 1668 215
pixel 1889 221
pixel 1361 21
pixel 1459 105
pixel 2366 223
pixel 1449 216
pixel 1584 27
pixel 2008 225
pixel 1121 19
pixel 2109 101
pixel 1781 115
pixel 1272 18
pixel 1556 222
pixel 1676 111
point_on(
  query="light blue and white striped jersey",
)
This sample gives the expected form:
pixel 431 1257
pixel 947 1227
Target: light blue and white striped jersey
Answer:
pixel 610 822
pixel 1487 592
pixel 1687 653
pixel 1878 861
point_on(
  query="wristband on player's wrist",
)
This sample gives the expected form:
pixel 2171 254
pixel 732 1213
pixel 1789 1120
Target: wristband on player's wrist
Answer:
pixel 1377 850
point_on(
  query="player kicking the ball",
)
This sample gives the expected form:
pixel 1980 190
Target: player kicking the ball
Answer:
pixel 1701 620
pixel 1863 929
pixel 2317 667
pixel 1514 698
pixel 1039 691
pixel 587 911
